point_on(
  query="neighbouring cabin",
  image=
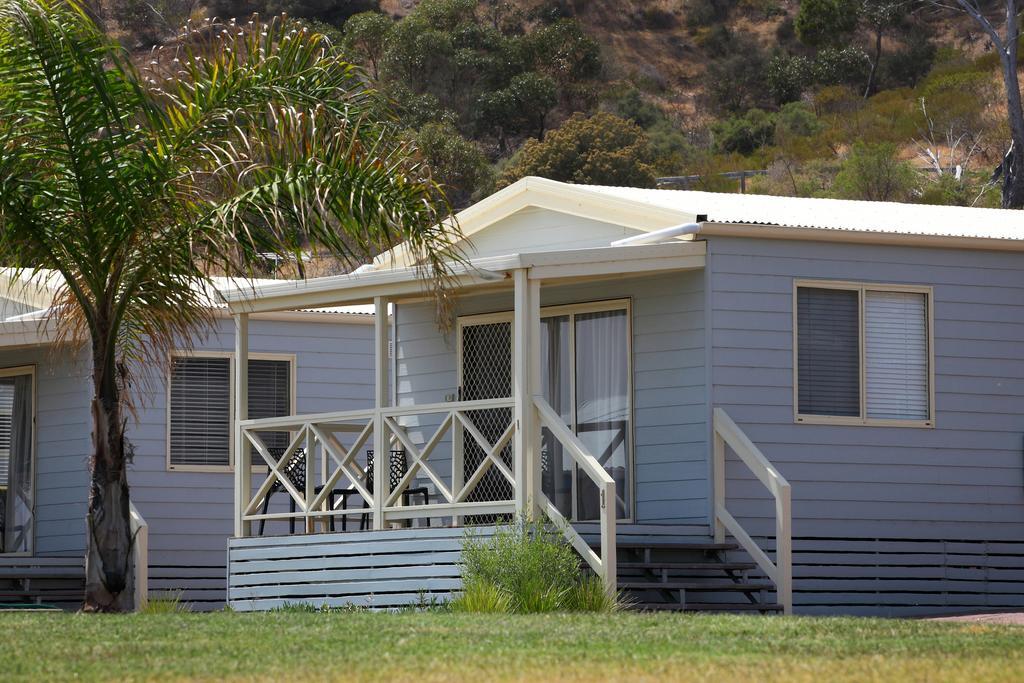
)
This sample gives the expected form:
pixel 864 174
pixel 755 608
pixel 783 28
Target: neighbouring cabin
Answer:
pixel 731 402
pixel 180 432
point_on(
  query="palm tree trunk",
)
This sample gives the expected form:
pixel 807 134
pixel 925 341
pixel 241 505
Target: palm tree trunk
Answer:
pixel 109 569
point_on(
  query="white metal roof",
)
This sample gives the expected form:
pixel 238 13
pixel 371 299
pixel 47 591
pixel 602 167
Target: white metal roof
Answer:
pixel 830 214
pixel 39 290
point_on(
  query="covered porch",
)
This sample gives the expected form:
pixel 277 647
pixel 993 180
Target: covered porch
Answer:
pixel 527 406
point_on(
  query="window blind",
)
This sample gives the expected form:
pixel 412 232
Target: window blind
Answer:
pixel 200 411
pixel 6 414
pixel 270 395
pixel 896 355
pixel 828 354
pixel 201 407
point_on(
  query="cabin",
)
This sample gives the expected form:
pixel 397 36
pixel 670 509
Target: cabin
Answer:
pixel 725 402
pixel 180 477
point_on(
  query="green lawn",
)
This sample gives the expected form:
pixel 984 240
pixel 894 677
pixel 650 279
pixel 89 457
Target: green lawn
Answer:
pixel 442 647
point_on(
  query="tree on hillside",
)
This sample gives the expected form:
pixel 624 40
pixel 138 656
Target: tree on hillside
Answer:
pixel 831 23
pixel 493 76
pixel 365 36
pixel 876 173
pixel 602 150
pixel 879 16
pixel 138 186
pixel 1007 45
pixel 331 11
pixel 823 23
pixel 457 164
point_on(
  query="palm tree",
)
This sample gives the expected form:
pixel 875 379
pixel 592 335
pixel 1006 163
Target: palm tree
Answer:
pixel 138 184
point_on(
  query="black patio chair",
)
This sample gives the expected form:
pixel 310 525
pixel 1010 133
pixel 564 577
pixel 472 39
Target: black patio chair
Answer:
pixel 295 470
pixel 399 467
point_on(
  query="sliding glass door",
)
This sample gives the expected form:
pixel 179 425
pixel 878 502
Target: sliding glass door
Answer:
pixel 16 466
pixel 585 360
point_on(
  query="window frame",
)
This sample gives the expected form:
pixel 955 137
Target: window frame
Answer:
pixel 862 288
pixel 571 309
pixel 30 370
pixel 290 358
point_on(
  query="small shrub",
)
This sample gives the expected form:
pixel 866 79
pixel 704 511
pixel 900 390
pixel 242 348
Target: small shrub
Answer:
pixel 706 12
pixel 525 567
pixel 745 134
pixel 876 173
pixel 834 66
pixel 166 603
pixel 788 77
pixel 658 18
pixel 906 67
pixel 589 595
pixel 737 81
pixel 481 597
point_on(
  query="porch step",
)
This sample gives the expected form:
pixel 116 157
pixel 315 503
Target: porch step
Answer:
pixel 706 607
pixel 710 564
pixel 679 546
pixel 657 574
pixel 710 587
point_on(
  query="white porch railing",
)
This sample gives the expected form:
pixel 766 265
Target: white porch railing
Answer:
pixel 324 434
pixel 604 565
pixel 781 570
pixel 339 439
pixel 140 555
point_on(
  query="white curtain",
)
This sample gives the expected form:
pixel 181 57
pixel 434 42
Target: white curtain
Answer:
pixel 602 402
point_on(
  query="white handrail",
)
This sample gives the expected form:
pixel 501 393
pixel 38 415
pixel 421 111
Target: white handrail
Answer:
pixel 605 564
pixel 781 571
pixel 140 555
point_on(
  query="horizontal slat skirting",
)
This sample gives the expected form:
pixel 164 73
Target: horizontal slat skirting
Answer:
pixel 338 589
pixel 339 576
pixel 353 562
pixel 343 549
pixel 356 537
pixel 379 569
pixel 391 600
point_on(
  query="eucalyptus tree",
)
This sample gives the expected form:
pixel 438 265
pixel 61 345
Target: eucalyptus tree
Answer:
pixel 1000 20
pixel 138 184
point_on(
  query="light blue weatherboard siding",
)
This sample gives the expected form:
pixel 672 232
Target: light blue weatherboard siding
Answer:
pixel 962 480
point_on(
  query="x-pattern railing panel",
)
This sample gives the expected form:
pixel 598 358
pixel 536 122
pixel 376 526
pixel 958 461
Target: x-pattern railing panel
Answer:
pixel 454 417
pixel 276 475
pixel 491 458
pixel 344 458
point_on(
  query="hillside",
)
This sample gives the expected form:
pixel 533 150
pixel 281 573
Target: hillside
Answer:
pixel 711 86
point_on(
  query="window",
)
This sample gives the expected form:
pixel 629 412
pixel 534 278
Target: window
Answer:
pixel 586 379
pixel 201 402
pixel 16 460
pixel 863 354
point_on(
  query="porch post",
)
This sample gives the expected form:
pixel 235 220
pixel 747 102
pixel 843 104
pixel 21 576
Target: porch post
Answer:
pixel 243 466
pixel 381 444
pixel 526 368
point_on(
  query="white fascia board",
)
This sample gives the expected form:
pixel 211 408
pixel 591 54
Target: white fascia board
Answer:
pixel 783 232
pixel 22 333
pixel 344 289
pixel 404 282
